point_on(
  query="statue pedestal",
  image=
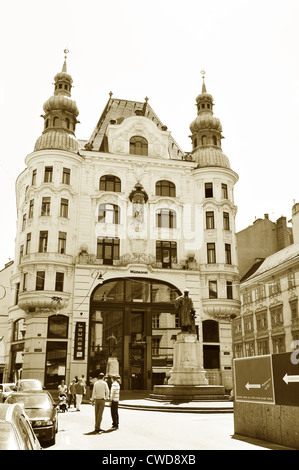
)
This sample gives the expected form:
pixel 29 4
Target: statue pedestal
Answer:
pixel 112 367
pixel 187 369
pixel 188 379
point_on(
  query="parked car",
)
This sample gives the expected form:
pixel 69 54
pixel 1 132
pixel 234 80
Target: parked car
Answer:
pixel 41 410
pixel 25 385
pixel 5 390
pixel 16 432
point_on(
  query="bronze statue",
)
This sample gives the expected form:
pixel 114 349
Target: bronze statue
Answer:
pixel 184 306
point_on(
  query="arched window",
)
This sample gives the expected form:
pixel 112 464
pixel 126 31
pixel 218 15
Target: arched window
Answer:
pixel 108 214
pixel 138 146
pixel 110 183
pixel 67 122
pixel 210 331
pixel 58 326
pixel 165 218
pixel 214 140
pixel 165 188
pixel 55 121
pixel 204 140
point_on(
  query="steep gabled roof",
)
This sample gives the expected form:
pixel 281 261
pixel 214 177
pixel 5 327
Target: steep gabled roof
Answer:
pixel 116 110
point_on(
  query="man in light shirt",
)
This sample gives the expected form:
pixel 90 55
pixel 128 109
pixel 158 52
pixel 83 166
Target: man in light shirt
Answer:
pixel 100 394
pixel 114 398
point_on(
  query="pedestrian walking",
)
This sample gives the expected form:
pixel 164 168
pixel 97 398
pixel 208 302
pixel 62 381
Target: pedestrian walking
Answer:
pixel 84 384
pixel 100 394
pixel 79 388
pixel 114 398
pixel 72 393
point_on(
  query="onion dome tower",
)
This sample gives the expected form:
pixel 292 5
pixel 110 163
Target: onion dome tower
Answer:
pixel 207 133
pixel 60 116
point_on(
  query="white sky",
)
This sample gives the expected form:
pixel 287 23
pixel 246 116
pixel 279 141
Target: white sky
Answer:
pixel 157 48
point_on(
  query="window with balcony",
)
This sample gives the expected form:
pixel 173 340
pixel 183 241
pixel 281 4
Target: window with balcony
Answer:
pixel 108 249
pixel 228 256
pixel 40 280
pixel 43 241
pixel 213 290
pixel 166 253
pixel 110 183
pixel 211 253
pixel 59 280
pixel 165 188
pixel 62 243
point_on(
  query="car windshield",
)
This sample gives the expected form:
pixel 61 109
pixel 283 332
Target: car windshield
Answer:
pixel 7 437
pixel 30 401
pixel 31 384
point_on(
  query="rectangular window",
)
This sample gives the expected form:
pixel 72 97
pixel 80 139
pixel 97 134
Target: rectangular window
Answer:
pixel 224 191
pixel 226 225
pixel 108 249
pixel 48 174
pixel 59 282
pixel 62 243
pixel 155 345
pixel 208 189
pixel 228 257
pixel 211 253
pixel 229 290
pixel 278 344
pixel 33 182
pixel 24 222
pixel 25 276
pixel 21 253
pixel 31 208
pixel 17 291
pixel 64 208
pixel 210 223
pixel 66 176
pixel 28 243
pixel 262 347
pixel 40 280
pixel 248 323
pixel 261 320
pixel 213 290
pixel 46 203
pixel 294 308
pixel 43 242
pixel 156 320
pixel 166 253
pixel 276 316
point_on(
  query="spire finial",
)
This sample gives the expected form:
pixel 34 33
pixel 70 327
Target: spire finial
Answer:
pixel 66 51
pixel 203 90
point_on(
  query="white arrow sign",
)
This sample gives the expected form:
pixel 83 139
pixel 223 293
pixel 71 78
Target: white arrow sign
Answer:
pixel 248 385
pixel 290 378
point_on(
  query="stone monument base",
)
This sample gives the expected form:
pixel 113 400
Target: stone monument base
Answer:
pixel 188 379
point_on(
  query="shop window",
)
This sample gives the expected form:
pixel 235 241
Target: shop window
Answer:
pixel 55 367
pixel 58 326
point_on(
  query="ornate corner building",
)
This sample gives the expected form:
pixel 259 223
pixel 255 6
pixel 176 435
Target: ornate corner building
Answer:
pixel 110 231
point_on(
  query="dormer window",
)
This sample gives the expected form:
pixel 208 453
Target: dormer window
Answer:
pixel 138 146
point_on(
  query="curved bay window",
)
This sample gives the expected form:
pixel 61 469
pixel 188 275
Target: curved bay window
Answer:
pixel 56 352
pixel 122 330
pixel 138 146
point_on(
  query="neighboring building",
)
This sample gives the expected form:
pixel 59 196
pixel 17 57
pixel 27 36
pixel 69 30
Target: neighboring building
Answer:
pixel 110 231
pixel 269 321
pixel 5 296
pixel 261 239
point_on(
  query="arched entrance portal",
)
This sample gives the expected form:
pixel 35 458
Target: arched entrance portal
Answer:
pixel 134 320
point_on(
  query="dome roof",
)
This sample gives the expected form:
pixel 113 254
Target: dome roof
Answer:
pixel 205 121
pixel 57 140
pixel 56 102
pixel 210 156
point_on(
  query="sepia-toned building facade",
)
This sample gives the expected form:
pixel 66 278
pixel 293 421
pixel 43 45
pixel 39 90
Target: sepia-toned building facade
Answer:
pixel 110 231
pixel 269 321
